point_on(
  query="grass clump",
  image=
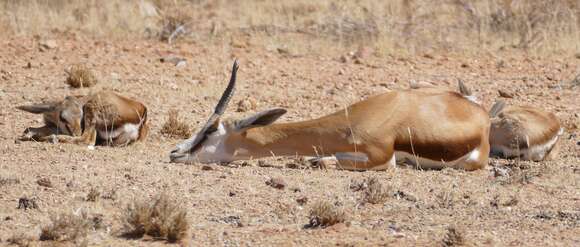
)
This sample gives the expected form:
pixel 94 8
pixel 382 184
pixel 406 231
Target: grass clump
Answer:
pixel 160 219
pixel 80 75
pixel 93 195
pixel 375 192
pixel 175 127
pixel 67 227
pixel 453 237
pixel 324 214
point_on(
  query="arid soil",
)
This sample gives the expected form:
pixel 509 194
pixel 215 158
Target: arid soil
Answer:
pixel 512 203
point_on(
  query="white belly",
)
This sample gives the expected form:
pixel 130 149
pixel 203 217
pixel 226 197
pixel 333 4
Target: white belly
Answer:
pixel 131 131
pixel 405 157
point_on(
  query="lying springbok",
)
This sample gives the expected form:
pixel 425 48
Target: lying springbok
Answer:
pixel 431 129
pixel 523 132
pixel 104 118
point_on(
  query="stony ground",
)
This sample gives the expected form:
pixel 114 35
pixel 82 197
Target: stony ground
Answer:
pixel 511 203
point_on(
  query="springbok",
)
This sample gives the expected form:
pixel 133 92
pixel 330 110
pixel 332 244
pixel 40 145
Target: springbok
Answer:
pixel 104 118
pixel 430 129
pixel 523 132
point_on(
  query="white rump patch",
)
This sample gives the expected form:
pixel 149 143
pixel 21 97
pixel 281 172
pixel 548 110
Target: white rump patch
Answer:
pixel 535 153
pixel 129 129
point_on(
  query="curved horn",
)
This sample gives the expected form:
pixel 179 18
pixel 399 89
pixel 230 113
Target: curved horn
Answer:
pixel 219 109
pixel 229 92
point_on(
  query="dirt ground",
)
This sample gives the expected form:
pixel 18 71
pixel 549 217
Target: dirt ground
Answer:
pixel 532 204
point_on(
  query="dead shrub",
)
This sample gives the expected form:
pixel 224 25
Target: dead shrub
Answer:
pixel 174 127
pixel 175 17
pixel 375 192
pixel 20 239
pixel 453 237
pixel 445 199
pixel 67 227
pixel 93 195
pixel 324 214
pixel 9 181
pixel 27 203
pixel 79 75
pixel 160 219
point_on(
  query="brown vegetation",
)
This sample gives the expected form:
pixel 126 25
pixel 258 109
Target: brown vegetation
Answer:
pixel 160 219
pixel 387 26
pixel 67 227
pixel 324 214
pixel 175 127
pixel 80 75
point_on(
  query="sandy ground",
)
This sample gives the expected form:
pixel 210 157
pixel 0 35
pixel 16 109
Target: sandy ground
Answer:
pixel 537 205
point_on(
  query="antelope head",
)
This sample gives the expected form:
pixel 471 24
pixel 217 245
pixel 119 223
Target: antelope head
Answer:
pixel 65 117
pixel 223 141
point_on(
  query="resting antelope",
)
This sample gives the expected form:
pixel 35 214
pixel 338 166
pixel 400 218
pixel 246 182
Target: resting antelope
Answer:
pixel 102 118
pixel 431 129
pixel 523 132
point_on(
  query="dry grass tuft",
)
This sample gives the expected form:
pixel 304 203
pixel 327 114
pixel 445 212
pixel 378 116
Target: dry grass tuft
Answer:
pixel 375 192
pixel 324 214
pixel 27 203
pixel 20 239
pixel 67 227
pixel 93 195
pixel 9 181
pixel 445 199
pixel 174 127
pixel 453 237
pixel 161 219
pixel 175 16
pixel 80 75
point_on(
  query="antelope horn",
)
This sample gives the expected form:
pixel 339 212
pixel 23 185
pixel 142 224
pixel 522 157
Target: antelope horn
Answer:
pixel 219 109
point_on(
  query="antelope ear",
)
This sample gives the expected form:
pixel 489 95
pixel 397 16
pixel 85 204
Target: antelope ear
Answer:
pixel 497 108
pixel 37 108
pixel 264 118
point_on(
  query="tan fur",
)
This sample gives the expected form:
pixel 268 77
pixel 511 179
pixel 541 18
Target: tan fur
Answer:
pixel 524 128
pixel 104 112
pixel 443 126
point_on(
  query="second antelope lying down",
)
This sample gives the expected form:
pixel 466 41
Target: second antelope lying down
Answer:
pixel 523 132
pixel 430 129
pixel 103 118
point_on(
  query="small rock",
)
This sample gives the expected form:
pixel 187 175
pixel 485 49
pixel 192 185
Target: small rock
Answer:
pixel 44 182
pixel 262 163
pixel 292 166
pixel 231 193
pixel 505 94
pixel 181 64
pixel 283 51
pixel 206 168
pixel 277 183
pixel 343 59
pixel 302 200
pixel 7 218
pixel 323 163
pixel 47 45
pixel 464 65
pixel 175 60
